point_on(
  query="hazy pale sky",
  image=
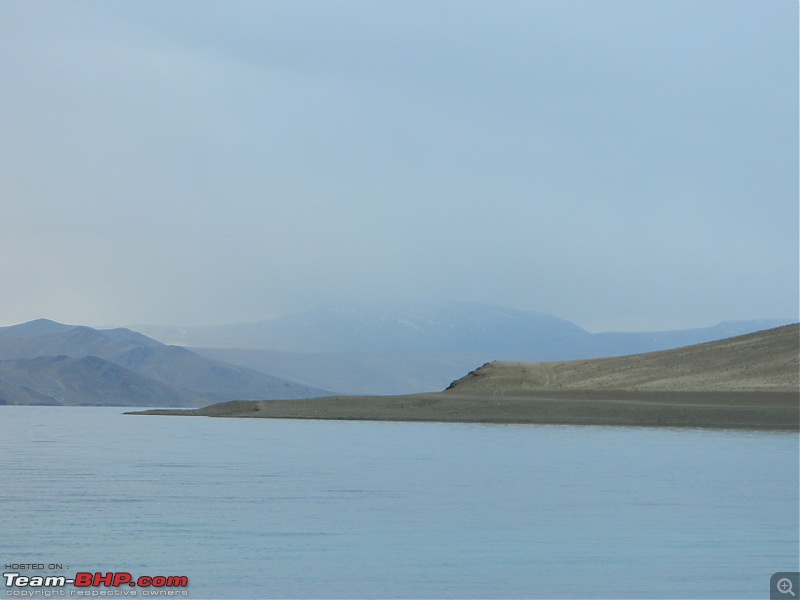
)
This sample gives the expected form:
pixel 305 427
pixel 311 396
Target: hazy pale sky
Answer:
pixel 621 164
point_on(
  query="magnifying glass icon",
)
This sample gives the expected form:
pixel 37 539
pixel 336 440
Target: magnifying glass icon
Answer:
pixel 785 586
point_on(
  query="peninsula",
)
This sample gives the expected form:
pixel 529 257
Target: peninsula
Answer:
pixel 746 382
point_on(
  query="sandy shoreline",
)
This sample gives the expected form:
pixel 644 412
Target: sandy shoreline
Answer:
pixel 776 411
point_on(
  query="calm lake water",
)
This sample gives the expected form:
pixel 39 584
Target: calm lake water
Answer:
pixel 314 509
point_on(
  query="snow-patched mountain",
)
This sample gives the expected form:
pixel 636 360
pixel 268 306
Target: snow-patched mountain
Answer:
pixel 429 328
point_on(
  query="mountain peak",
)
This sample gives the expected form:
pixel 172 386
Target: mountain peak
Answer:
pixel 33 328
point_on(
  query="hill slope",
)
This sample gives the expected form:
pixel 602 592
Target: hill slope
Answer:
pixel 86 381
pixel 163 375
pixel 764 361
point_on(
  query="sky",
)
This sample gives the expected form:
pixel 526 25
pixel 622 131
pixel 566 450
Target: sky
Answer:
pixel 625 165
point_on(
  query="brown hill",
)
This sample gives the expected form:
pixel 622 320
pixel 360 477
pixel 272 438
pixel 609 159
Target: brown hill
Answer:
pixel 767 361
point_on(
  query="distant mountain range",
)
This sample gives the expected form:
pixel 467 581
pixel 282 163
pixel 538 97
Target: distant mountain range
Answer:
pixel 43 362
pixel 417 347
pixel 388 349
pixel 403 328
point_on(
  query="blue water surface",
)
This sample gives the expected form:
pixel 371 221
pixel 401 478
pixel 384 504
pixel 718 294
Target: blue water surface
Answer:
pixel 252 508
